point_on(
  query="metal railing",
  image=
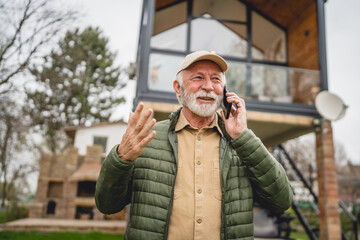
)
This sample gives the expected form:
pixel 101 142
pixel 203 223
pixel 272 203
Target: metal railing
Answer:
pixel 290 166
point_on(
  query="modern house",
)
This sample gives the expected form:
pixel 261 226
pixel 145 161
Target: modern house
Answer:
pixel 276 52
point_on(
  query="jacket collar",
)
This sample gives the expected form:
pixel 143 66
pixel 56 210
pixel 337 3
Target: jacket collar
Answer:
pixel 174 117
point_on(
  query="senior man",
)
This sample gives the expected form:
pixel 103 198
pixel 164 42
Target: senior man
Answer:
pixel 195 175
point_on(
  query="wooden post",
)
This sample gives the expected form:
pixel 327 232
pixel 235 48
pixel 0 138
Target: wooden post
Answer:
pixel 330 225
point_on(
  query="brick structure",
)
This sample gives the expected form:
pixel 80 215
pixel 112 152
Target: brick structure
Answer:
pixel 330 227
pixel 66 186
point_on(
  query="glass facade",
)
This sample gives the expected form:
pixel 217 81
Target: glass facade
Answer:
pixel 268 40
pixel 162 70
pixel 170 32
pixel 273 83
pixel 225 39
pixel 254 46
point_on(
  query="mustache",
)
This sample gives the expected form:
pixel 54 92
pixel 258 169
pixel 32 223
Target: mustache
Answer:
pixel 203 93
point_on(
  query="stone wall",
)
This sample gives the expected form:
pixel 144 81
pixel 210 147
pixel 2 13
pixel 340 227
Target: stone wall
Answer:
pixel 58 183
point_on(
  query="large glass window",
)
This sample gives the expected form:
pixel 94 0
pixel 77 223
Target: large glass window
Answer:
pixel 268 40
pixel 269 83
pixel 236 78
pixel 219 26
pixel 223 38
pixel 273 83
pixel 162 71
pixel 170 32
pixel 258 68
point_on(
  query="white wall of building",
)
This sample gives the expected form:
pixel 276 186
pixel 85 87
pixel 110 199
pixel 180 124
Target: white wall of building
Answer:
pixel 84 137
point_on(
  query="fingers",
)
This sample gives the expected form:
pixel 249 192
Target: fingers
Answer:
pixel 147 139
pixel 144 118
pixel 233 98
pixel 134 116
pixel 222 114
pixel 146 129
pixel 137 134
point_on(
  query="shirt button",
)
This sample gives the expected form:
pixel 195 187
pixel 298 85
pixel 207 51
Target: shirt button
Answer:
pixel 199 137
pixel 199 191
pixel 199 220
pixel 198 162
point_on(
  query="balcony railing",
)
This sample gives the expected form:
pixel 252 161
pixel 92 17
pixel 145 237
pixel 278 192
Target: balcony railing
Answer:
pixel 269 83
pixel 264 86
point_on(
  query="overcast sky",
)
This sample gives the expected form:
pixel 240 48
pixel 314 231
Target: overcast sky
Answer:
pixel 120 19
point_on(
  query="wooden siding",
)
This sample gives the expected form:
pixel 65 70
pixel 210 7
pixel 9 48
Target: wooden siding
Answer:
pixel 303 49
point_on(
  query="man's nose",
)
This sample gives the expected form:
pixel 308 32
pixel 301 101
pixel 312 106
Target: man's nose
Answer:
pixel 207 85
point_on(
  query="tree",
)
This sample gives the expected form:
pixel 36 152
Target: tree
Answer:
pixel 26 27
pixel 14 155
pixel 77 85
pixel 302 150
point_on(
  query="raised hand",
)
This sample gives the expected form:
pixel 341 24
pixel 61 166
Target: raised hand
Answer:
pixel 237 122
pixel 137 134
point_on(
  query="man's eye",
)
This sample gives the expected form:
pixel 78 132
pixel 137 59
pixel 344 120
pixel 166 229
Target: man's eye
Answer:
pixel 198 78
pixel 216 79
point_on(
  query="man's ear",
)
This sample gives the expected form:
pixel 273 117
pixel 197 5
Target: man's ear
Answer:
pixel 176 86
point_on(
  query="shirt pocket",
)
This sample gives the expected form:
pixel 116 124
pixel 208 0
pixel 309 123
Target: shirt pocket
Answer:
pixel 178 181
pixel 216 180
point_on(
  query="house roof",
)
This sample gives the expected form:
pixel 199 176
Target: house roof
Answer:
pixel 88 171
pixel 90 168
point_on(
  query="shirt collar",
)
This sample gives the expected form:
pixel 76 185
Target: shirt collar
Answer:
pixel 183 123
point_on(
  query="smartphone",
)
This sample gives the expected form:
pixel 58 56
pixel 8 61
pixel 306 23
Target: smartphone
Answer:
pixel 227 105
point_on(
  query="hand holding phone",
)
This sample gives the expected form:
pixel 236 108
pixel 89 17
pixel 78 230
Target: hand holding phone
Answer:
pixel 226 104
pixel 238 122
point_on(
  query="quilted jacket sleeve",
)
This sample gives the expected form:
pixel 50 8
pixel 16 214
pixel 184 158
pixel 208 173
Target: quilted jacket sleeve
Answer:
pixel 113 187
pixel 266 174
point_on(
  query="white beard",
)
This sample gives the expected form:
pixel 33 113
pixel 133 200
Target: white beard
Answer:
pixel 204 109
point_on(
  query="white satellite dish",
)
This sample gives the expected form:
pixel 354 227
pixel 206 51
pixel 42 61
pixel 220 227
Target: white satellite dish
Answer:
pixel 330 106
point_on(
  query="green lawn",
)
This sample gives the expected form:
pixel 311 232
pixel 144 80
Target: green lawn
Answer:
pixel 297 235
pixel 58 236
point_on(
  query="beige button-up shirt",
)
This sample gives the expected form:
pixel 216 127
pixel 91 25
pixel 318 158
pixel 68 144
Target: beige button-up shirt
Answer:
pixel 196 212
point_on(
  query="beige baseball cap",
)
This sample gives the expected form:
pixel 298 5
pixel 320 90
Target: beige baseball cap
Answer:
pixel 203 55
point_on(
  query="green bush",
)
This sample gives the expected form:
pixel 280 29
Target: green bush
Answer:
pixel 13 212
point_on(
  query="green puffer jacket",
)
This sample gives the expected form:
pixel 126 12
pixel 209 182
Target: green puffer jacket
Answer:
pixel 247 171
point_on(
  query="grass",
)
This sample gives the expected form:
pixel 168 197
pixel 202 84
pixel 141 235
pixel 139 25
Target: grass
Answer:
pixel 7 235
pixel 297 235
pixel 2 217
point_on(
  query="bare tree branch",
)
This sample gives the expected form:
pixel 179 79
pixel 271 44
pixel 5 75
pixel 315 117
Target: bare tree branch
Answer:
pixel 17 32
pixel 22 43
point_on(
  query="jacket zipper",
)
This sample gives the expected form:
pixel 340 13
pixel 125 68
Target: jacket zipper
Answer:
pixel 223 191
pixel 173 145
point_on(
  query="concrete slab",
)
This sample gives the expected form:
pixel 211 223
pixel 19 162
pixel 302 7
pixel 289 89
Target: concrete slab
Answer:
pixel 65 225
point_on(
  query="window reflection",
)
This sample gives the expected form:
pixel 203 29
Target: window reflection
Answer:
pixel 223 38
pixel 162 71
pixel 236 78
pixel 273 83
pixel 170 28
pixel 268 40
pixel 269 84
pixel 221 26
